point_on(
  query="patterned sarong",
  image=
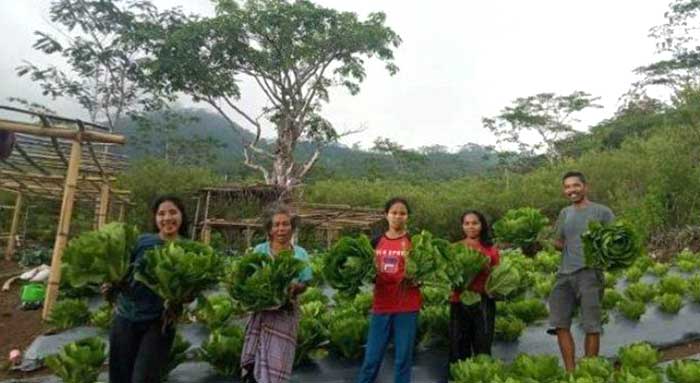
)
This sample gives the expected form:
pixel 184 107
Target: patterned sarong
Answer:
pixel 270 343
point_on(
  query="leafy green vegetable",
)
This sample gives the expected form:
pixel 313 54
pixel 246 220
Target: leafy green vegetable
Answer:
pixel 547 261
pixel 610 298
pixel 426 258
pixel 670 303
pixel 540 368
pixel 520 227
pixel 68 313
pixel 223 350
pixel 34 256
pixel 214 310
pixel 638 355
pixel 631 309
pixel 177 354
pixel 102 318
pixel 348 332
pixel 637 375
pixel 633 274
pixel 100 256
pixel 610 246
pixel 527 310
pixel 643 263
pixel 543 285
pixel 641 292
pixel 480 369
pixel 687 261
pixel 660 269
pixel 349 264
pixel 503 280
pixel 258 282
pixel 611 279
pixel 312 336
pixel 673 284
pixel 78 362
pixel 316 264
pixel 683 371
pixel 508 329
pixel 313 294
pixel 433 324
pixel 179 271
pixel 435 295
pixel 463 264
pixel 694 288
pixel 600 369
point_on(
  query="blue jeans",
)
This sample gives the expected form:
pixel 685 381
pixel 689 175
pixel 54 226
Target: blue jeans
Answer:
pixel 400 326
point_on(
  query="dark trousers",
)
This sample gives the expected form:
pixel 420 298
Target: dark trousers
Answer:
pixel 138 351
pixel 471 329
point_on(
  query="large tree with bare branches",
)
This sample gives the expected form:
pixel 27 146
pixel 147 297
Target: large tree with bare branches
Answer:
pixel 294 51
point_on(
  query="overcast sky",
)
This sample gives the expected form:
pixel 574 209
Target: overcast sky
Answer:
pixel 459 61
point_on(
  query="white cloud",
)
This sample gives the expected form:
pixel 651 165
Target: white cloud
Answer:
pixel 459 61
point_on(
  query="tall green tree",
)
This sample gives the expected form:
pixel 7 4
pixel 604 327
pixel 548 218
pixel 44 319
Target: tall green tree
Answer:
pixel 96 66
pixel 547 115
pixel 295 52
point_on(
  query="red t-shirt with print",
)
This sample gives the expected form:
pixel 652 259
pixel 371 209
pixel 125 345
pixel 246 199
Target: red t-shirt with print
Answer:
pixel 478 285
pixel 390 295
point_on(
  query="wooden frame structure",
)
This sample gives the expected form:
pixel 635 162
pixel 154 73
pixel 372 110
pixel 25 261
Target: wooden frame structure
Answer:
pixel 62 159
pixel 327 220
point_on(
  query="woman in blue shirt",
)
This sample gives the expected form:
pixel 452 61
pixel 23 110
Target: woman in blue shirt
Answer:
pixel 138 346
pixel 270 337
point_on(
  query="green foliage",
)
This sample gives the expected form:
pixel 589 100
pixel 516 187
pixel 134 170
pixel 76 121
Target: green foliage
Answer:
pixel 638 355
pixel 541 368
pixel 520 227
pixel 223 350
pixel 214 310
pixel 633 274
pixel 503 280
pixel 683 371
pixel 480 369
pixel 610 246
pixel 313 294
pixel 631 309
pixel 644 263
pixel 508 329
pixel 687 261
pixel 100 256
pixel 348 332
pixel 257 281
pixel 177 354
pixel 102 318
pixel 462 265
pixel 433 324
pixel 543 285
pixel 611 279
pixel 596 368
pixel 660 269
pixel 527 310
pixel 641 292
pixel 78 362
pixel 425 262
pixel 313 334
pixel 610 298
pixel 179 271
pixel 694 288
pixel 547 261
pixel 34 256
pixel 68 313
pixel 349 264
pixel 673 284
pixel 670 303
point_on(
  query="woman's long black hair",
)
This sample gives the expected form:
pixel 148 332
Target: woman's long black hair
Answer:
pixel 485 237
pixel 182 230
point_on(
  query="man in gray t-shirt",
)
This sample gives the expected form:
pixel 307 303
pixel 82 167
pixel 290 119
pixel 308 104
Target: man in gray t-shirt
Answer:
pixel 576 284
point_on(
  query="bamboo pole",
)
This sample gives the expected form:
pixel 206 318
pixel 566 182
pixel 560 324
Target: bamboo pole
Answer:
pixel 12 239
pixel 195 221
pixel 121 212
pixel 63 229
pixel 70 134
pixel 103 206
pixel 206 229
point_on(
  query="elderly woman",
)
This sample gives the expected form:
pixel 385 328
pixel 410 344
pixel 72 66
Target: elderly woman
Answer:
pixel 270 336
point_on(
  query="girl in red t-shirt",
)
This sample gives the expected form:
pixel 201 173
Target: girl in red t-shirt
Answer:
pixel 396 301
pixel 471 328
